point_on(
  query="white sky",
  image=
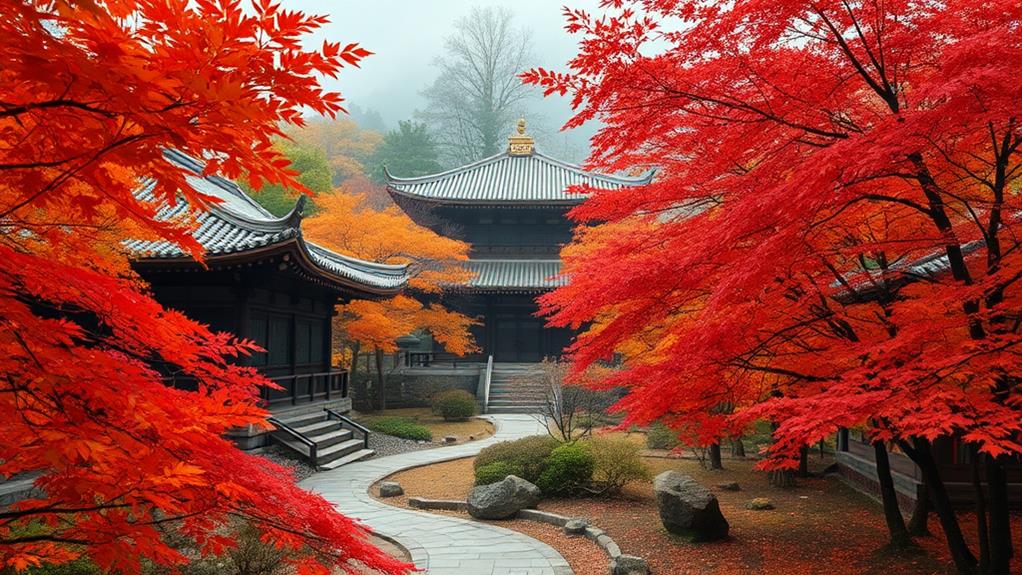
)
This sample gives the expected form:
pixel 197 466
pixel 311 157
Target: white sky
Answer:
pixel 407 35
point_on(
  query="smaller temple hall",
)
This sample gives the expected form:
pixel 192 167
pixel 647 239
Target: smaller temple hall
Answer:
pixel 512 208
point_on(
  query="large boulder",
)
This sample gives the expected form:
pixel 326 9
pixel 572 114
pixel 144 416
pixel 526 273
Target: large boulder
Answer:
pixel 502 499
pixel 687 508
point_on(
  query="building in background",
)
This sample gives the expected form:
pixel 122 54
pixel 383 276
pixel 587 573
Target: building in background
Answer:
pixel 512 208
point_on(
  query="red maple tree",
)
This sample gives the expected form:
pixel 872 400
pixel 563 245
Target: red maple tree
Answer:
pixel 91 94
pixel 831 240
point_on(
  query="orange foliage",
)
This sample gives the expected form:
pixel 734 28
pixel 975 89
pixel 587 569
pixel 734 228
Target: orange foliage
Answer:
pixel 349 225
pixel 346 146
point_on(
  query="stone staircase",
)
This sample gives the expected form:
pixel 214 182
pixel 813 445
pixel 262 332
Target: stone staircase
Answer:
pixel 335 445
pixel 516 388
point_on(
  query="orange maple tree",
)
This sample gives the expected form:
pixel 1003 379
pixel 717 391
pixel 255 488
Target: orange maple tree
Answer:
pixel 347 223
pixel 91 94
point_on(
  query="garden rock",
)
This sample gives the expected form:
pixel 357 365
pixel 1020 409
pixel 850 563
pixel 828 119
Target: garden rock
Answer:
pixel 760 504
pixel 628 565
pixel 391 489
pixel 729 486
pixel 502 499
pixel 687 508
pixel 451 439
pixel 576 526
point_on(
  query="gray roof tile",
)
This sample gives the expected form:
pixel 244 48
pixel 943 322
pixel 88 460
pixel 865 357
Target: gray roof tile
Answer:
pixel 238 224
pixel 509 179
pixel 515 275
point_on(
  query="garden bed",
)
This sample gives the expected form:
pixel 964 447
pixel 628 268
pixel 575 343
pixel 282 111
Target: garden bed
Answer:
pixel 817 526
pixel 474 427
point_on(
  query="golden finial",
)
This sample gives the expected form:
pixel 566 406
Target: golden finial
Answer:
pixel 519 144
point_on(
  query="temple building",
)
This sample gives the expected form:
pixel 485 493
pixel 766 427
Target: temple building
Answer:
pixel 262 280
pixel 512 208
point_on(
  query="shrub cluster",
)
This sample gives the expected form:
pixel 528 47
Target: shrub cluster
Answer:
pixel 568 470
pixel 660 436
pixel 600 465
pixel 617 462
pixel 399 427
pixel 522 457
pixel 454 404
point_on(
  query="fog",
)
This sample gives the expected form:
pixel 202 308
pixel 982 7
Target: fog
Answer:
pixel 406 36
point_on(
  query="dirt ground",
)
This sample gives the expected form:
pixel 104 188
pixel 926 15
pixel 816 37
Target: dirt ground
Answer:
pixel 474 427
pixel 820 527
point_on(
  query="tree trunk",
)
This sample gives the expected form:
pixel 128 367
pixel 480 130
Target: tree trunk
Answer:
pixel 381 381
pixel 918 524
pixel 803 462
pixel 714 451
pixel 783 478
pixel 981 511
pixel 900 537
pixel 920 453
pixel 359 390
pixel 737 447
pixel 1001 549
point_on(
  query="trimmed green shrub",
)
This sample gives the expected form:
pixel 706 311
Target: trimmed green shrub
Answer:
pixel 568 470
pixel 454 404
pixel 660 436
pixel 617 463
pixel 527 455
pixel 495 472
pixel 398 427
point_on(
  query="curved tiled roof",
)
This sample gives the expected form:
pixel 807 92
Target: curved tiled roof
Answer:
pixel 238 224
pixel 514 275
pixel 508 179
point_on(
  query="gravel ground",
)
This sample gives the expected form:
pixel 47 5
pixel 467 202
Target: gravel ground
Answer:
pixel 819 524
pixel 389 445
pixel 284 456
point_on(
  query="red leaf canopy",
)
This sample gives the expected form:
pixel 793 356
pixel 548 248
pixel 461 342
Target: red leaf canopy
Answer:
pixel 831 239
pixel 91 93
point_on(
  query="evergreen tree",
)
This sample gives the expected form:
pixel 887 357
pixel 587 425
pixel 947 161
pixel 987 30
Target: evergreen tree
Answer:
pixel 406 152
pixel 313 172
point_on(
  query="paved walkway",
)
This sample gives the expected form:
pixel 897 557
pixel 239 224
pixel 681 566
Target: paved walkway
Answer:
pixel 441 544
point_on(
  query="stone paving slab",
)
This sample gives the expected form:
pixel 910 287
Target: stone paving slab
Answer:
pixel 440 544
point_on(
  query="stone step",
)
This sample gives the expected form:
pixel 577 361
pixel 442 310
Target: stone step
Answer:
pixel 349 458
pixel 332 438
pixel 319 428
pixel 531 409
pixel 303 419
pixel 337 451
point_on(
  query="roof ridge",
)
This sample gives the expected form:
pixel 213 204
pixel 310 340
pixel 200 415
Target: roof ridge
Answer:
pixel 433 177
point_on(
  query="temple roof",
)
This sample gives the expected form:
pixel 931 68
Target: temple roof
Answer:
pixel 507 179
pixel 238 227
pixel 514 275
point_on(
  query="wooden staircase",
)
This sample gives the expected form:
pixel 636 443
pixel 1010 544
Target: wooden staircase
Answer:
pixel 516 388
pixel 326 439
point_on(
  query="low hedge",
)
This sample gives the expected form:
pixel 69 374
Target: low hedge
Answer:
pixel 454 405
pixel 495 472
pixel 527 456
pixel 659 436
pixel 399 427
pixel 568 470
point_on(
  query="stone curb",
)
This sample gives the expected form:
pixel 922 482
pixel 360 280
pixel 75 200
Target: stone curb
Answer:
pixel 598 536
pixel 442 504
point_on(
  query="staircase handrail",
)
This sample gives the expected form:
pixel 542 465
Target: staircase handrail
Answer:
pixel 281 426
pixel 486 383
pixel 345 419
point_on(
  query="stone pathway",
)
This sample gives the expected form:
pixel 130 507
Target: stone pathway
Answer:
pixel 440 544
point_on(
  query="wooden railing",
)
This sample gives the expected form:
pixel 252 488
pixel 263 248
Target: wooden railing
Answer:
pixel 281 426
pixel 355 426
pixel 311 386
pixel 419 358
pixel 323 385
